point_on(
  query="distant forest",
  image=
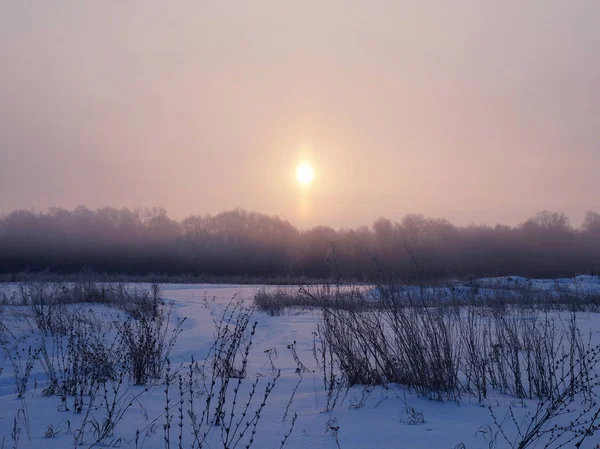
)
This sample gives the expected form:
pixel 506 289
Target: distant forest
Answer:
pixel 241 243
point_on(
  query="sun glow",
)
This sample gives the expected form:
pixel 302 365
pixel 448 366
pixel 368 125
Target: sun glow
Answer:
pixel 305 174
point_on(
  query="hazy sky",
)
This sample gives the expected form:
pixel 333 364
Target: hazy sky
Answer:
pixel 472 110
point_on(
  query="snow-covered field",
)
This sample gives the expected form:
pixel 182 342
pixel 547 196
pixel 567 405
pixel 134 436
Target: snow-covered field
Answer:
pixel 375 418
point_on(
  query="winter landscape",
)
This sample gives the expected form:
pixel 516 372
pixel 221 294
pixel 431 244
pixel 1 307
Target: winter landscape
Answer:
pixel 289 224
pixel 505 363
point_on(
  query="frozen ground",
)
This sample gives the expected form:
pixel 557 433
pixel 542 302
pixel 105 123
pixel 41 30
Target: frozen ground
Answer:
pixel 377 422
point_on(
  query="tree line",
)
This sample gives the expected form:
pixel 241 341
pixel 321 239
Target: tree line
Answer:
pixel 242 243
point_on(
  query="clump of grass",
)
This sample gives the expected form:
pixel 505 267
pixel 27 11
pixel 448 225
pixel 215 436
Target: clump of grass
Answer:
pixel 48 300
pixel 277 301
pixel 442 350
pixel 146 344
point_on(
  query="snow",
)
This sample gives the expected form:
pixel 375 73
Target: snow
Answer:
pixel 377 424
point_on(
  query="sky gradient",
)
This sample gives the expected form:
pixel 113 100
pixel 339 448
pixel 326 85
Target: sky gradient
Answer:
pixel 475 111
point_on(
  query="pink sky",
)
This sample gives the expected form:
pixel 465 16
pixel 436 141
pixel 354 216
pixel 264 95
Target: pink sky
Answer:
pixel 476 111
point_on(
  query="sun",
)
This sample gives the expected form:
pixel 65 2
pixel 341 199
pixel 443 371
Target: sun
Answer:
pixel 305 174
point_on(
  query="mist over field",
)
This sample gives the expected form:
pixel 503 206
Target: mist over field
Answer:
pixel 242 243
